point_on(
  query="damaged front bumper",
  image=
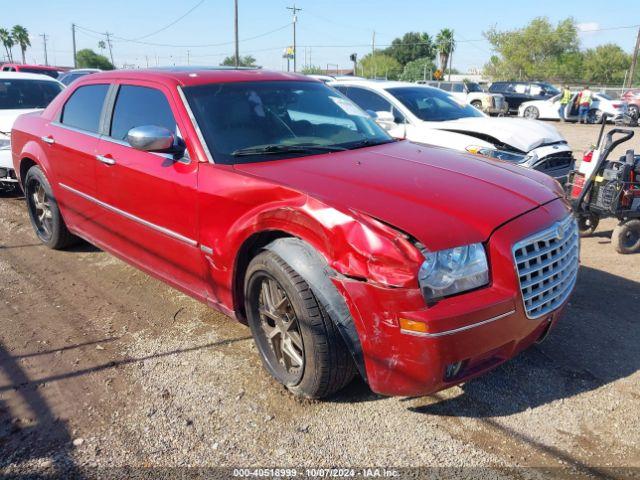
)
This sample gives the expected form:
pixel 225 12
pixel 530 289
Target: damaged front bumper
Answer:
pixel 464 335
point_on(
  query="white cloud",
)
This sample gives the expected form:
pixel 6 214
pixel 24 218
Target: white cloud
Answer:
pixel 587 28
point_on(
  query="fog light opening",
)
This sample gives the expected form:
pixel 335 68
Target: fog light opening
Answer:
pixel 453 370
pixel 4 173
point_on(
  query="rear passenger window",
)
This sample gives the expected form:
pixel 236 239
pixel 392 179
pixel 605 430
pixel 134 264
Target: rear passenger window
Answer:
pixel 139 106
pixel 457 88
pixel 84 107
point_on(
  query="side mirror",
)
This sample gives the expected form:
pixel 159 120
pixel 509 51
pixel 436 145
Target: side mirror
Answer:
pixel 151 138
pixel 385 119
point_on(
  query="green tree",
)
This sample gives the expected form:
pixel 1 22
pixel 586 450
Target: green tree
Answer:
pixel 313 70
pixel 246 61
pixel 419 69
pixel 445 44
pixel 412 46
pixel 537 51
pixel 606 64
pixel 379 65
pixel 7 42
pixel 21 38
pixel 87 58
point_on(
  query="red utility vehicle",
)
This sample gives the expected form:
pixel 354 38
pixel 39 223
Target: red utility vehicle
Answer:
pixel 276 200
pixel 53 72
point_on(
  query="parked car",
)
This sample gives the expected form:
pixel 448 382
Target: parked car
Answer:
pixel 632 98
pixel 278 201
pixel 20 93
pixel 430 116
pixel 53 72
pixel 473 94
pixel 549 109
pixel 75 74
pixel 515 93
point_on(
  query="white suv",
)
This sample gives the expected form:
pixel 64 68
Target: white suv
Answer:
pixel 473 94
pixel 20 93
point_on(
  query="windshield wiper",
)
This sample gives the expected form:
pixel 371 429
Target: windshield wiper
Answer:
pixel 275 149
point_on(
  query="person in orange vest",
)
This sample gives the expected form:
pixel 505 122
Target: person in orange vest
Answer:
pixel 584 103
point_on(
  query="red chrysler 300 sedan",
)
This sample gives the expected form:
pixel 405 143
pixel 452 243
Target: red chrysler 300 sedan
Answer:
pixel 276 200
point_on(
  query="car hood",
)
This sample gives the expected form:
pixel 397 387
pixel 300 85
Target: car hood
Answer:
pixel 525 135
pixel 8 117
pixel 441 197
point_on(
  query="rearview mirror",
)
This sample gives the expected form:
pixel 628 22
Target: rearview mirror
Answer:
pixel 151 138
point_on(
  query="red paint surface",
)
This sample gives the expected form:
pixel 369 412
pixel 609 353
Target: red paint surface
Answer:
pixel 341 203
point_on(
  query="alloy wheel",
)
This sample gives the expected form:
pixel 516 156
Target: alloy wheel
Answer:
pixel 40 209
pixel 281 328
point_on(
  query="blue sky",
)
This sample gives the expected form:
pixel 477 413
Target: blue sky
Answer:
pixel 329 29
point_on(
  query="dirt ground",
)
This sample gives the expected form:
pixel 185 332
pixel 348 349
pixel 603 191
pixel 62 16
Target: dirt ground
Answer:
pixel 102 366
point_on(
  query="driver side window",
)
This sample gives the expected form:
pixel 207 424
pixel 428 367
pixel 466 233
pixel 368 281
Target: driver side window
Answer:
pixel 138 106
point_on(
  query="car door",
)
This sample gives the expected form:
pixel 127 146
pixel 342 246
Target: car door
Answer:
pixel 71 147
pixel 150 199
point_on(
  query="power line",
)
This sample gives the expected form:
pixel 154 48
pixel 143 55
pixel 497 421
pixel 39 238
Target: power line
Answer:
pixel 185 46
pixel 172 23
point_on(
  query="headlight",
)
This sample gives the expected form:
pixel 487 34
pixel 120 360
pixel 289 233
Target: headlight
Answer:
pixel 453 271
pixel 495 153
pixel 5 143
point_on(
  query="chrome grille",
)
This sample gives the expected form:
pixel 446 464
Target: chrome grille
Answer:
pixel 547 264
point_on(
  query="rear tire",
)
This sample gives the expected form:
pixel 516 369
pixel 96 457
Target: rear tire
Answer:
pixel 44 212
pixel 298 343
pixel 594 116
pixel 634 112
pixel 587 224
pixel 626 237
pixel 477 104
pixel 531 113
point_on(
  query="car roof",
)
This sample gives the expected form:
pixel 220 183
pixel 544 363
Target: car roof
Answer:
pixel 381 84
pixel 26 76
pixel 192 76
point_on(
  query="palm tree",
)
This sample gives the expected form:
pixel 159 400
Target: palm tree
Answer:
pixel 21 37
pixel 445 45
pixel 7 42
pixel 102 45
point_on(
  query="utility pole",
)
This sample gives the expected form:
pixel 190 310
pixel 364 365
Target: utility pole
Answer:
pixel 294 11
pixel 634 62
pixel 235 26
pixel 108 35
pixel 73 38
pixel 188 57
pixel 373 54
pixel 44 39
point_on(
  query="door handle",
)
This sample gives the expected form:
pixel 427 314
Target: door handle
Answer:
pixel 105 160
pixel 48 140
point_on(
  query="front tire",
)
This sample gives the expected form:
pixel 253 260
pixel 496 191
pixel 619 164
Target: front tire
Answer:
pixel 634 112
pixel 594 116
pixel 587 224
pixel 626 237
pixel 531 113
pixel 44 213
pixel 477 104
pixel 298 343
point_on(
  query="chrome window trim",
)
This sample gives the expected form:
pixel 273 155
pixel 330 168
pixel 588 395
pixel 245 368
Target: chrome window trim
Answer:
pixel 194 122
pixel 186 159
pixel 153 226
pixel 458 330
pixel 76 130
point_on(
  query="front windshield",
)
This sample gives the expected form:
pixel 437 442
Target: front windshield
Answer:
pixel 433 105
pixel 19 93
pixel 257 121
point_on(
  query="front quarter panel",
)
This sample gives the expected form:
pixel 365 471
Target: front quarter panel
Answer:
pixel 234 207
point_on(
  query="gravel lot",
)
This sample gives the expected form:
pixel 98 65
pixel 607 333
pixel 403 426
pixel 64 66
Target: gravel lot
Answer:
pixel 103 366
